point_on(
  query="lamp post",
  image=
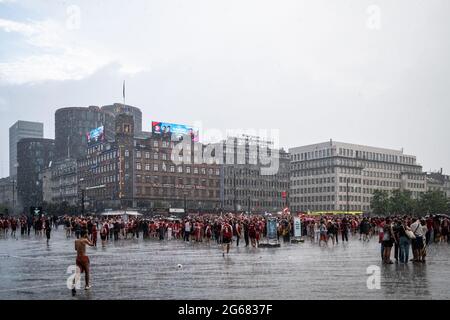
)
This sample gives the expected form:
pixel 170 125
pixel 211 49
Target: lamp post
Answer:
pixel 347 198
pixel 14 196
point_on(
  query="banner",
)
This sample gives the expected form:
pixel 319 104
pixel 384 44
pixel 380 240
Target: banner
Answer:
pixel 297 227
pixel 177 130
pixel 271 229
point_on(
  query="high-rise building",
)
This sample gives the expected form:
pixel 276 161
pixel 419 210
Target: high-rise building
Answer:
pixel 33 156
pixel 337 176
pixel 120 108
pixel 73 125
pixel 21 129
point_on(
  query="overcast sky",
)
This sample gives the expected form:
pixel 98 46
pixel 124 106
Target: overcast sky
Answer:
pixel 365 72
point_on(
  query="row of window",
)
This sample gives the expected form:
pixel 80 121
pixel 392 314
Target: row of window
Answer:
pixel 330 207
pixel 303 182
pixel 313 190
pixel 256 183
pixel 353 164
pixel 159 191
pixel 179 169
pixel 314 154
pixel 254 204
pixel 255 193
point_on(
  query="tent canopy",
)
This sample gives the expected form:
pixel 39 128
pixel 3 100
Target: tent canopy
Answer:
pixel 121 213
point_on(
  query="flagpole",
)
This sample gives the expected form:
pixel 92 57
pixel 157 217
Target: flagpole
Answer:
pixel 123 92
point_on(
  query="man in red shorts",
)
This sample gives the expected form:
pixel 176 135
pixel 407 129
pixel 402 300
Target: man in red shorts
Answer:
pixel 227 235
pixel 82 261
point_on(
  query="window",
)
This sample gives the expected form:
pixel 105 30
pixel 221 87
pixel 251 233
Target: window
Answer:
pixel 138 154
pixel 188 169
pixel 203 171
pixel 180 169
pixel 147 167
pixel 195 170
pixel 155 156
pixel 147 155
pixel 155 167
pixel 172 168
pixel 164 156
pixel 164 167
pixel 138 166
pixel 127 153
pixel 155 144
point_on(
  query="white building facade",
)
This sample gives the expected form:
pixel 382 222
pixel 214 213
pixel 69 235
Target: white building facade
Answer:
pixel 337 176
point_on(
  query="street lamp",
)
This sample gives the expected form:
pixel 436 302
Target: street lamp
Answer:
pixel 184 198
pixel 347 196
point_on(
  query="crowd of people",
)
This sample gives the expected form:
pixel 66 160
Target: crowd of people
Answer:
pixel 398 232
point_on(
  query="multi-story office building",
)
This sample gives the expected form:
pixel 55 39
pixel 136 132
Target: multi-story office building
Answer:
pixel 8 193
pixel 244 185
pixel 72 126
pixel 437 181
pixel 336 176
pixel 33 156
pixel 60 183
pixel 19 130
pixel 120 108
pixel 141 173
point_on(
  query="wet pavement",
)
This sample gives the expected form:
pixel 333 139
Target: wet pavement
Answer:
pixel 150 269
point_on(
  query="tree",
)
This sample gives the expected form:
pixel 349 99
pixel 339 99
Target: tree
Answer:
pixel 433 202
pixel 380 202
pixel 401 202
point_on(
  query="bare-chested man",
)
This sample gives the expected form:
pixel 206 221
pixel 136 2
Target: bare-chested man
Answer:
pixel 82 261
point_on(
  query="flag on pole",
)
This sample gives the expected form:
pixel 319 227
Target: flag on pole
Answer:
pixel 123 91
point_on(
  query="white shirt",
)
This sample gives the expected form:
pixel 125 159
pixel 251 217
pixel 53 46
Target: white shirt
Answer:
pixel 418 229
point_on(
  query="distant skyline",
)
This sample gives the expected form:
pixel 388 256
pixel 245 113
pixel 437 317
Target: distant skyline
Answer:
pixel 365 72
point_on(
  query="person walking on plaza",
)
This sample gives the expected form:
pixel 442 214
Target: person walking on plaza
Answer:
pixel 344 229
pixel 227 235
pixel 104 233
pixel 48 229
pixel 404 242
pixel 417 246
pixel 13 227
pixel 323 232
pixel 238 230
pixel 388 241
pixel 187 230
pixel 94 234
pixel 246 237
pixel 82 260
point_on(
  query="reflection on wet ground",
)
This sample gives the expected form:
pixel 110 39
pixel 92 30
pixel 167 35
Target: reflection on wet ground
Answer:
pixel 138 269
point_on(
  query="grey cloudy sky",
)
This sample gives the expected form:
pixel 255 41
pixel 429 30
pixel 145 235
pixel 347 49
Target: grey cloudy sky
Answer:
pixel 365 72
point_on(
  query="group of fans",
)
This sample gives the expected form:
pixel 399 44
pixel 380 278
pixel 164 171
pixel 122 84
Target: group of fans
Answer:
pixel 40 224
pixel 398 232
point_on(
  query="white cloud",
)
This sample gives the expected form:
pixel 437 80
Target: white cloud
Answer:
pixel 59 55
